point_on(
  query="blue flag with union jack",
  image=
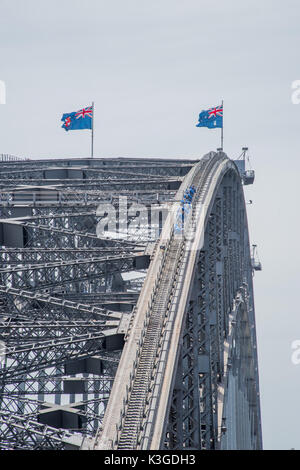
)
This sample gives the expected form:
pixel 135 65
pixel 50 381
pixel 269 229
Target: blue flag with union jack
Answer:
pixel 78 119
pixel 211 118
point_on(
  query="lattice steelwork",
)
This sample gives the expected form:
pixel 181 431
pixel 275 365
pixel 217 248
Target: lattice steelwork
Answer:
pixel 117 333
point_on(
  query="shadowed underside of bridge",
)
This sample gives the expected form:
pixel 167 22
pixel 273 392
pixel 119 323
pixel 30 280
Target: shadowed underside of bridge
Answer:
pixel 118 328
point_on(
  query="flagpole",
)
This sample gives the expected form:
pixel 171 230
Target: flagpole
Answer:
pixel 92 143
pixel 222 136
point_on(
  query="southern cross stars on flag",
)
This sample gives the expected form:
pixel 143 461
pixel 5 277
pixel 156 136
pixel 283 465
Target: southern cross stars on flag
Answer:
pixel 81 119
pixel 211 118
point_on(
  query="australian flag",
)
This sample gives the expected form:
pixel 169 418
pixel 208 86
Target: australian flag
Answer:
pixel 78 119
pixel 211 118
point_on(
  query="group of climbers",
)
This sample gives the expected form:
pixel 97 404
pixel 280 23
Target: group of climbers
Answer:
pixel 185 203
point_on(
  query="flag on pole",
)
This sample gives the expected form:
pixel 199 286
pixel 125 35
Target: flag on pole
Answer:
pixel 211 118
pixel 82 119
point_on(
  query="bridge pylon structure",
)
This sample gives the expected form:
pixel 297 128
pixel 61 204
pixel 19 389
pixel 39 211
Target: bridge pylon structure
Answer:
pixel 127 315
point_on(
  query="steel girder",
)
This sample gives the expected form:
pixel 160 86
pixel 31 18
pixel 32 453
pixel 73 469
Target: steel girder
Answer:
pixel 21 433
pixel 43 276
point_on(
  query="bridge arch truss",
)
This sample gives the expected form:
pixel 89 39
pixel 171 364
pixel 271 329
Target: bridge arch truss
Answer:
pixel 144 341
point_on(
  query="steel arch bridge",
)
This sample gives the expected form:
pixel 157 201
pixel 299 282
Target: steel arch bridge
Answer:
pixel 126 306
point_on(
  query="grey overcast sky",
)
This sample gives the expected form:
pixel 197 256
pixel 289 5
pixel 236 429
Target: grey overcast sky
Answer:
pixel 151 67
